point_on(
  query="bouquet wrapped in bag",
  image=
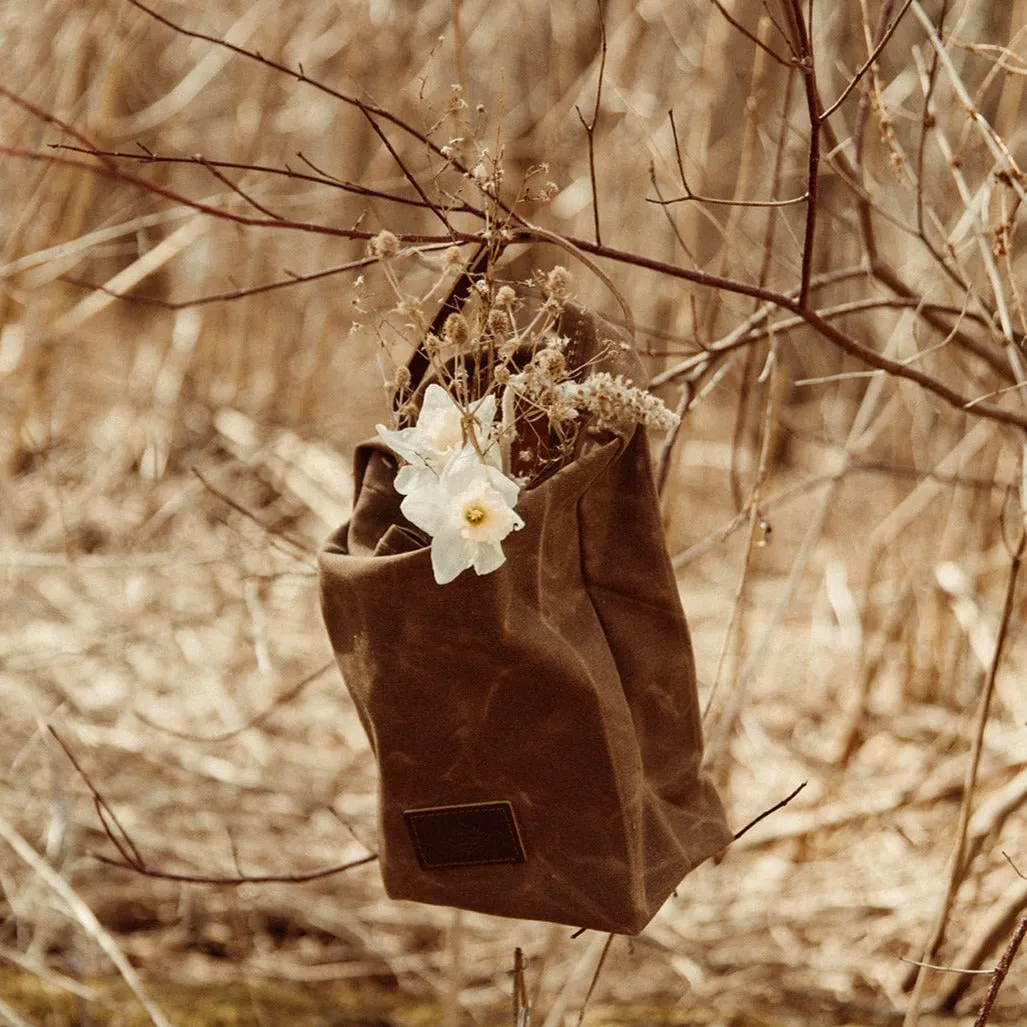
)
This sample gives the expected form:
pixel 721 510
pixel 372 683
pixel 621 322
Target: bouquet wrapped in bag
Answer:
pixel 515 645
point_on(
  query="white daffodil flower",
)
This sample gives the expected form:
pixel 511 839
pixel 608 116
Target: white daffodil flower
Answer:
pixel 437 437
pixel 467 511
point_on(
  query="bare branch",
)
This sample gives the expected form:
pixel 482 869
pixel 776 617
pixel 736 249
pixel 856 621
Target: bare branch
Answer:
pixel 225 215
pixel 252 290
pixel 958 864
pixel 255 721
pixel 238 190
pixel 134 861
pixel 301 550
pixel 808 68
pixel 1001 972
pixel 590 126
pixel 767 812
pixel 320 176
pixel 749 35
pixel 234 880
pixel 729 203
pixel 868 64
pixel 52 119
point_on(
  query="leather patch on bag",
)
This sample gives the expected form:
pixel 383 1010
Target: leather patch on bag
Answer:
pixel 465 836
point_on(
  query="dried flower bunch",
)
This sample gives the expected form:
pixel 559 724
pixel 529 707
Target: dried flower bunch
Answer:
pixel 504 407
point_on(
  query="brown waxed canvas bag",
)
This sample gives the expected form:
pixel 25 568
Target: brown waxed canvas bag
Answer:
pixel 536 729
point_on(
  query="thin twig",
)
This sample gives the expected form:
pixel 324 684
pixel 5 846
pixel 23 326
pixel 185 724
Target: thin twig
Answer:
pixel 234 880
pixel 133 860
pixel 750 36
pixel 402 165
pixel 948 969
pixel 47 116
pixel 304 551
pixel 255 721
pixel 220 297
pixel 250 290
pixel 957 862
pixel 808 68
pixel 595 979
pixel 1001 971
pixel 590 126
pixel 888 32
pixel 521 1002
pixel 320 176
pixel 227 215
pixel 238 190
pixel 728 203
pixel 767 812
pixel 121 840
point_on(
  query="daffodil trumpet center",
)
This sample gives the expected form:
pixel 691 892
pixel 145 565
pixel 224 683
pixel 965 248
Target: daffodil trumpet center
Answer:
pixel 474 514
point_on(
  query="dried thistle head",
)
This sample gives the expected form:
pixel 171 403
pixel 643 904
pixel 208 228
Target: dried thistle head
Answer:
pixel 411 309
pixel 498 321
pixel 455 330
pixel 550 364
pixel 384 245
pixel 507 348
pixel 400 381
pixel 407 413
pixel 557 285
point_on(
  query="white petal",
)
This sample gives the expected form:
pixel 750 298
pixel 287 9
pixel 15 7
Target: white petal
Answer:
pixel 488 556
pixel 411 478
pixel 463 469
pixel 436 401
pixel 493 453
pixel 450 555
pixel 505 486
pixel 408 443
pixel 425 507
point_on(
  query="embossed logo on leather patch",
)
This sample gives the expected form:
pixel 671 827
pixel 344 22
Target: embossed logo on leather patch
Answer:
pixel 465 836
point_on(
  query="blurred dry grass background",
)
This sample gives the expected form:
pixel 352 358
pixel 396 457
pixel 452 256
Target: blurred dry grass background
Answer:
pixel 149 621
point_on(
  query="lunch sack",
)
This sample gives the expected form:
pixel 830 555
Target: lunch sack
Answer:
pixel 536 729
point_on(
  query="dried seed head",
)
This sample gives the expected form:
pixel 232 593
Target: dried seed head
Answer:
pixel 412 309
pixel 501 374
pixel 401 378
pixel 407 413
pixel 384 245
pixel 455 331
pixel 498 321
pixel 505 296
pixel 507 348
pixel 452 257
pixel 558 283
pixel 551 364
